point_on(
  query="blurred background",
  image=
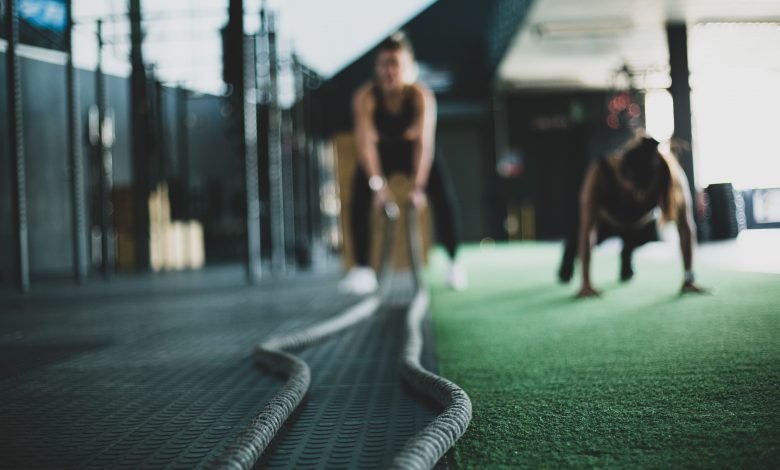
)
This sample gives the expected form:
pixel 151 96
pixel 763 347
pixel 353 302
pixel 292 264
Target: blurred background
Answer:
pixel 142 136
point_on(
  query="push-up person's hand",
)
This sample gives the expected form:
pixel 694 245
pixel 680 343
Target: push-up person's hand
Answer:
pixel 587 291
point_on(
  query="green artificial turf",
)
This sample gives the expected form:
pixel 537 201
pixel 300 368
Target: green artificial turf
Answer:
pixel 639 378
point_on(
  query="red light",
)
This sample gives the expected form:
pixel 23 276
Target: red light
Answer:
pixel 621 102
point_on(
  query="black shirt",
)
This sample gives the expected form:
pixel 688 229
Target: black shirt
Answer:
pixel 620 205
pixel 394 151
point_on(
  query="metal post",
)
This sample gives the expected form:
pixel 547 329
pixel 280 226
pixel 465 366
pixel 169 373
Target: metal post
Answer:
pixel 253 260
pixel 278 254
pixel 182 136
pixel 301 159
pixel 77 192
pixel 16 145
pixel 315 182
pixel 288 188
pixel 139 106
pixel 677 37
pixel 103 156
pixel 160 151
pixel 317 238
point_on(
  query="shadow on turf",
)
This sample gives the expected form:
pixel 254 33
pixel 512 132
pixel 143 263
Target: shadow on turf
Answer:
pixel 526 300
pixel 513 295
pixel 679 296
pixel 548 295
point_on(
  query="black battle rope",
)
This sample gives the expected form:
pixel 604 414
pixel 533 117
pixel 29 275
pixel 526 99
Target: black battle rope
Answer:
pixel 421 451
pixel 429 445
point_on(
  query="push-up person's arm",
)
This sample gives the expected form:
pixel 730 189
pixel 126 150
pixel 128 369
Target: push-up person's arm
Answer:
pixel 587 229
pixel 685 228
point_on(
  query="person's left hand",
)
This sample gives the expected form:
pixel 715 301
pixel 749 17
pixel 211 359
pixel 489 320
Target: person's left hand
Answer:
pixel 418 199
pixel 692 288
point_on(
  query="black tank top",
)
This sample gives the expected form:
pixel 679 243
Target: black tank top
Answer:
pixel 394 151
pixel 391 126
pixel 619 204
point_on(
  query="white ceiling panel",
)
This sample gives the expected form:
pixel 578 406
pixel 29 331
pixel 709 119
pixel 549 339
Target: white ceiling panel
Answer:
pixel 581 44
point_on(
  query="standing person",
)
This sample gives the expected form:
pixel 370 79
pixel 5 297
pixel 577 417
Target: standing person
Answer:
pixel 395 128
pixel 619 197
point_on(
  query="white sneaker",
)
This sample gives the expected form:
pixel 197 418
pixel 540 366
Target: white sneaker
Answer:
pixel 359 280
pixel 457 277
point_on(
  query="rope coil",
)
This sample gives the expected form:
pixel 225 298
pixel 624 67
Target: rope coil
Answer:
pixel 424 449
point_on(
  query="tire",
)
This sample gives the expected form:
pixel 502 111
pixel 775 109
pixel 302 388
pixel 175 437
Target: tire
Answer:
pixel 723 215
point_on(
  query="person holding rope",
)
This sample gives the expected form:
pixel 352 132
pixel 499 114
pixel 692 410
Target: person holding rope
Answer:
pixel 619 197
pixel 395 127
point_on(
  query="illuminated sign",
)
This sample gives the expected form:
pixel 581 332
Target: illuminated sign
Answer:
pixel 44 14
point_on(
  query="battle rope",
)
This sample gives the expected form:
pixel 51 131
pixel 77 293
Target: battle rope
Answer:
pixel 420 452
pixel 429 445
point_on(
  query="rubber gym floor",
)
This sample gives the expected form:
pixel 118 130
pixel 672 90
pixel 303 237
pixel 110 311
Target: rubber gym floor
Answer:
pixel 157 372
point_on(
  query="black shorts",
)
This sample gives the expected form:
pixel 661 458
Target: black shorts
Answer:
pixel 630 236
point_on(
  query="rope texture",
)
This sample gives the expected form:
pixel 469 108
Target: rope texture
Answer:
pixel 424 449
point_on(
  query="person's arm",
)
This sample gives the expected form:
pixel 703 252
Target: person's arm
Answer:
pixel 587 232
pixel 423 133
pixel 685 228
pixel 366 138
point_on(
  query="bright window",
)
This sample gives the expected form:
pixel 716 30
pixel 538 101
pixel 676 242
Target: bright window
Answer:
pixel 735 80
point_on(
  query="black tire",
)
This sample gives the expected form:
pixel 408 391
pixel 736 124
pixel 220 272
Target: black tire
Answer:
pixel 724 220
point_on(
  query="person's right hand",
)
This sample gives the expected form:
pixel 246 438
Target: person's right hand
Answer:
pixel 587 291
pixel 383 197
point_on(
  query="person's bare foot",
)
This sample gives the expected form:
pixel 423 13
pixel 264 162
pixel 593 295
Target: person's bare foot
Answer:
pixel 692 288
